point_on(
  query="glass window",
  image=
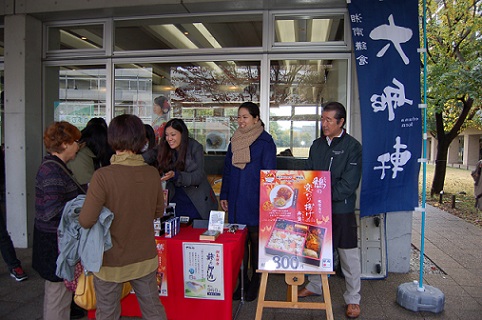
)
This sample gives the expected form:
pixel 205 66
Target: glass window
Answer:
pixel 2 42
pixel 2 107
pixel 84 36
pixel 211 32
pixel 298 90
pixel 76 93
pixel 460 154
pixel 309 29
pixel 205 95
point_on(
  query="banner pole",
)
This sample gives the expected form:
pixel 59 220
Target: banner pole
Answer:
pixel 424 150
pixel 422 298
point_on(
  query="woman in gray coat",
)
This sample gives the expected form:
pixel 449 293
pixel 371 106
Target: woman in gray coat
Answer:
pixel 181 163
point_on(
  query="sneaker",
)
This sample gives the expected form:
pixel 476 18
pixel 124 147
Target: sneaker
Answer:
pixel 18 274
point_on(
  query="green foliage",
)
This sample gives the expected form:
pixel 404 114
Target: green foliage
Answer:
pixel 454 62
pixel 280 136
pixel 454 80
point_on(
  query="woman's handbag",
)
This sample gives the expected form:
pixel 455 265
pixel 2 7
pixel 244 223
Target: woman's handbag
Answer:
pixel 84 295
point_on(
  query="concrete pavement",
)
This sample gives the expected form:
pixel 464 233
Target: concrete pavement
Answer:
pixel 452 244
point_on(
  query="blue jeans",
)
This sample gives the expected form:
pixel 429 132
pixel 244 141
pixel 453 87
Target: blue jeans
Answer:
pixel 6 246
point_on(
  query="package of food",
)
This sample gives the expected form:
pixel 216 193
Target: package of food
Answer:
pixel 296 239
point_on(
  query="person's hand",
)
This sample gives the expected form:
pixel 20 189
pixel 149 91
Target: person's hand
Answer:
pixel 224 204
pixel 168 175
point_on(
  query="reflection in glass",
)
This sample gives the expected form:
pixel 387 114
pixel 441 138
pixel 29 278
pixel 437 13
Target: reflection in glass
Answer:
pixel 211 32
pixel 81 94
pixel 298 90
pixel 76 37
pixel 309 29
pixel 205 95
pixel 2 41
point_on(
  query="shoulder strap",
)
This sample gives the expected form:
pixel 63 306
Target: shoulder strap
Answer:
pixel 68 173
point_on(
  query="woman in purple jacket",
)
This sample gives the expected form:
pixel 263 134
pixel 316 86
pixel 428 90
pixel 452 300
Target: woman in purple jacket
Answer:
pixel 54 187
pixel 251 149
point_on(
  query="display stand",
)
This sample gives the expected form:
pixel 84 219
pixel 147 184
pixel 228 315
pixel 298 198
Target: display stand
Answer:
pixel 294 279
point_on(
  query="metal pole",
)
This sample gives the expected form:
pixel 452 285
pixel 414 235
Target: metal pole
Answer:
pixel 424 164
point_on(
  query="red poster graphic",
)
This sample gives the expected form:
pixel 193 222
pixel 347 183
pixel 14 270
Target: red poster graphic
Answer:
pixel 295 221
pixel 161 273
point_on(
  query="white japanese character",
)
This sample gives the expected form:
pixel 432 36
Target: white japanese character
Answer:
pixel 398 159
pixel 356 18
pixel 393 33
pixel 392 98
pixel 362 60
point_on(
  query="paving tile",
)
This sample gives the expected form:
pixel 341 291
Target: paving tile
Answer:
pixel 451 243
pixel 473 291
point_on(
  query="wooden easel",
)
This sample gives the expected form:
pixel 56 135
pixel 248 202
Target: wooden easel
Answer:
pixel 293 280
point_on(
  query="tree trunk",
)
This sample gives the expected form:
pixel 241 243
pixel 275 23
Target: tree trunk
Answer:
pixel 440 167
pixel 444 141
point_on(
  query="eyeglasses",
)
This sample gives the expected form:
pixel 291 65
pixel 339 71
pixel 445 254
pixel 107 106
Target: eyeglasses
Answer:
pixel 327 120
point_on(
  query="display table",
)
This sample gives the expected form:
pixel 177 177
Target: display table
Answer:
pixel 177 306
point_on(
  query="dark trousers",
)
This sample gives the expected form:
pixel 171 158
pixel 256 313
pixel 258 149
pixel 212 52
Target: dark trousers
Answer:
pixel 250 260
pixel 6 245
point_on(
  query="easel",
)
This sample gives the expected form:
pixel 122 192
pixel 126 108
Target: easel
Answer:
pixel 294 279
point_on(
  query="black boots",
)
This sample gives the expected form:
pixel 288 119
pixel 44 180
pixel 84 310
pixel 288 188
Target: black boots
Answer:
pixel 253 288
pixel 237 293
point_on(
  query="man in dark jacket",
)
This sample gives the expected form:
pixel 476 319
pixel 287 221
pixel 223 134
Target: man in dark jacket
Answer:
pixel 341 154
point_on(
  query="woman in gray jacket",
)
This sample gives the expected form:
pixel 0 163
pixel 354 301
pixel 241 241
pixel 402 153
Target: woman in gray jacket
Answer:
pixel 181 163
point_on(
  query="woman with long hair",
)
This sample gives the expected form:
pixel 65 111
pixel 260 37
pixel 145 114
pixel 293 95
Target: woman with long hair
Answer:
pixel 94 152
pixel 181 162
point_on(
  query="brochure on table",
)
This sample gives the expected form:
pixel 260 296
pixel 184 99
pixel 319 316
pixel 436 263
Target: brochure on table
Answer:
pixel 203 270
pixel 216 221
pixel 295 221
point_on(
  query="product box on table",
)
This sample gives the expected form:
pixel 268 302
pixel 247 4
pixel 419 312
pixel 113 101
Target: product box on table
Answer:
pixel 209 235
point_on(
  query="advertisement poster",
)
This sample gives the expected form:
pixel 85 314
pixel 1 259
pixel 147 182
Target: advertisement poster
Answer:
pixel 295 221
pixel 203 270
pixel 161 274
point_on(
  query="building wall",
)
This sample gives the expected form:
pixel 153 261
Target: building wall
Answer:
pixel 23 74
pixel 26 116
pixel 471 150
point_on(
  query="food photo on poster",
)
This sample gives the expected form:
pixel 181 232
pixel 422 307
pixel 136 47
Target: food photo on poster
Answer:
pixel 295 221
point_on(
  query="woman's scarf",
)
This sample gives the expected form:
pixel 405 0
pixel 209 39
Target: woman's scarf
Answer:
pixel 241 141
pixel 128 159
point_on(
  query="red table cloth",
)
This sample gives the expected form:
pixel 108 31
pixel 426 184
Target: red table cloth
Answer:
pixel 177 306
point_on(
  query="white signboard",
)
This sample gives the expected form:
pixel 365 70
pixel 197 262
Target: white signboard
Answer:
pixel 203 270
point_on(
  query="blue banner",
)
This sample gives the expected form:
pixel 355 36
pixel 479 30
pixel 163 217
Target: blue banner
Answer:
pixel 385 42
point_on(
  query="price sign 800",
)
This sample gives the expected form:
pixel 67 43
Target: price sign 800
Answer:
pixel 286 262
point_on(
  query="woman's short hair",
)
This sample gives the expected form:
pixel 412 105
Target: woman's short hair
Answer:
pixel 127 132
pixel 60 132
